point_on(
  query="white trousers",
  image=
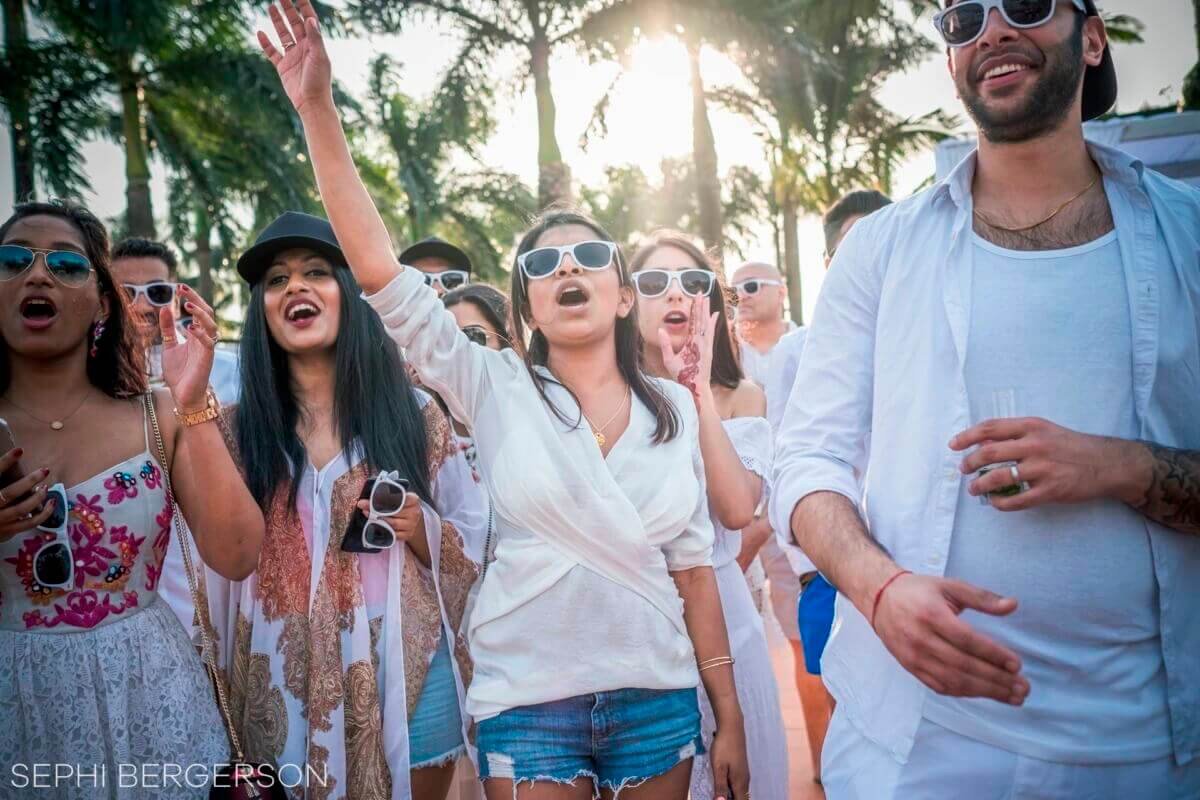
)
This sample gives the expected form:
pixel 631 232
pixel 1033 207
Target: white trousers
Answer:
pixel 945 765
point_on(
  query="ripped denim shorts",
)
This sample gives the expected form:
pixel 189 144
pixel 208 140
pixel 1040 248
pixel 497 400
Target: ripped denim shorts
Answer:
pixel 619 739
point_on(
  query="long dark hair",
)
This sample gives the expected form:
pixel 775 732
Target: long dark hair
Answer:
pixel 628 334
pixel 725 368
pixel 118 368
pixel 374 405
pixel 489 302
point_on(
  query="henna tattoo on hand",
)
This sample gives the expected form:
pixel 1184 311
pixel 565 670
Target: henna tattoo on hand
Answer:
pixel 1173 496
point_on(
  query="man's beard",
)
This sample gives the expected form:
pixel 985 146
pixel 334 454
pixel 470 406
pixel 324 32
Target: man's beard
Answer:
pixel 1048 103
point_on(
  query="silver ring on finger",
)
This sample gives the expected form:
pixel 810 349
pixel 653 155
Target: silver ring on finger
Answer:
pixel 1016 474
pixel 288 46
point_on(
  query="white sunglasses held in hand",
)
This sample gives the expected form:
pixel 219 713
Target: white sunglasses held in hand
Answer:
pixel 387 494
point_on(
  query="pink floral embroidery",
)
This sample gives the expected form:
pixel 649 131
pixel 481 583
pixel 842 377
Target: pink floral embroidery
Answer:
pixel 151 475
pixel 82 610
pixel 121 486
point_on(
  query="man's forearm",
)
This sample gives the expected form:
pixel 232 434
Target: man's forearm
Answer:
pixel 1165 485
pixel 829 529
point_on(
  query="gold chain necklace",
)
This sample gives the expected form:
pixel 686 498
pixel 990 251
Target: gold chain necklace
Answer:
pixel 1053 213
pixel 57 424
pixel 599 432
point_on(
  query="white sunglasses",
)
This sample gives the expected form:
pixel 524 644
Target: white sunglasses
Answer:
pixel 158 293
pixel 964 22
pixel 448 279
pixel 754 284
pixel 594 255
pixel 387 498
pixel 54 562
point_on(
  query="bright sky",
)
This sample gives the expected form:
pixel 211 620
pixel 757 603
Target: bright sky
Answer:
pixel 650 116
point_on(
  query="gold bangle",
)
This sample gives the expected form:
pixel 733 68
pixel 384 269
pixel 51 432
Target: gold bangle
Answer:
pixel 211 411
pixel 715 662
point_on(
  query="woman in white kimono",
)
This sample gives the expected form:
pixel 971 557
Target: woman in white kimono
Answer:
pixel 681 307
pixel 600 614
pixel 346 663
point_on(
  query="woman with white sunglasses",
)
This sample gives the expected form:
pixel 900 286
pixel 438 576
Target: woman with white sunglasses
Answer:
pixel 95 670
pixel 600 614
pixel 681 309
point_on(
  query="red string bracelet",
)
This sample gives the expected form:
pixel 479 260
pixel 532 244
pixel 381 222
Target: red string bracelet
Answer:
pixel 879 594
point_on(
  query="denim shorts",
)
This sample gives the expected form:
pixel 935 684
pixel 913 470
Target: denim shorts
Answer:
pixel 435 727
pixel 619 738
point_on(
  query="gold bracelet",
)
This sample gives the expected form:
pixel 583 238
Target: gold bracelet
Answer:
pixel 715 662
pixel 211 411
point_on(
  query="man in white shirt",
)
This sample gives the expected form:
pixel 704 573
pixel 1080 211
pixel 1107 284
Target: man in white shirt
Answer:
pixel 815 613
pixel 146 271
pixel 1044 644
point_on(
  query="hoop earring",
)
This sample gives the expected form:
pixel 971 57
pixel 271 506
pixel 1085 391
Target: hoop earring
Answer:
pixel 97 332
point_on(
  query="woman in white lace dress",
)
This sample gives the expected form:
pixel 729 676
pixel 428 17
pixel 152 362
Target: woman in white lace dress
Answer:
pixel 681 310
pixel 96 673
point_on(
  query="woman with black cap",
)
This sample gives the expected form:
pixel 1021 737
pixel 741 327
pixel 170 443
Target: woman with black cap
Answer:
pixel 600 613
pixel 346 654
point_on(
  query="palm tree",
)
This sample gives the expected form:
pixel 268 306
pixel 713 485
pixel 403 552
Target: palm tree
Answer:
pixel 815 105
pixel 533 28
pixel 14 94
pixel 434 145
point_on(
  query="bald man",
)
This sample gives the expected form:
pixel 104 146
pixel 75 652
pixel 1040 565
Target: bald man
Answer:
pixel 761 324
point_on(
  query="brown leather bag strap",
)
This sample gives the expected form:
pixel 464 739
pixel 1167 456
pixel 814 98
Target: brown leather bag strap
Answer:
pixel 207 634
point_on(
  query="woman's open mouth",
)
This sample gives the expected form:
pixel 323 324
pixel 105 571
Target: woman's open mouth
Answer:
pixel 38 313
pixel 301 313
pixel 675 320
pixel 572 295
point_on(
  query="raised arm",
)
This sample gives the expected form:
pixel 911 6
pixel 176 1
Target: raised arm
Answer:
pixel 444 358
pixel 304 69
pixel 733 490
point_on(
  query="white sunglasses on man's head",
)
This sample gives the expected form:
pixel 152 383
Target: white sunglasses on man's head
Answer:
pixel 449 279
pixel 965 21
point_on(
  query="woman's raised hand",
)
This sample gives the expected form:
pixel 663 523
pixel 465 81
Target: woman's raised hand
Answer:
pixel 300 59
pixel 692 365
pixel 187 362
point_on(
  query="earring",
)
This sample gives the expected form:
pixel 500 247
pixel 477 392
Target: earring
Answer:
pixel 97 332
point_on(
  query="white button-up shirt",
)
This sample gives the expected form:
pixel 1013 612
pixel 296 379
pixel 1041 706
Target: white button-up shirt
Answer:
pixel 884 356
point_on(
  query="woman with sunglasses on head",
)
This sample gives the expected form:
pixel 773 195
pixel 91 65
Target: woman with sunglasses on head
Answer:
pixel 681 309
pixel 347 657
pixel 95 670
pixel 601 599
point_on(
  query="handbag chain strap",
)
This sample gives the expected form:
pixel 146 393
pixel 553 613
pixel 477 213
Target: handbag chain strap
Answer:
pixel 207 635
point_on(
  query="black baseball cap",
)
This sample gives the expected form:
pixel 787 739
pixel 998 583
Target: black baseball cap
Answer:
pixel 433 247
pixel 289 230
pixel 1100 81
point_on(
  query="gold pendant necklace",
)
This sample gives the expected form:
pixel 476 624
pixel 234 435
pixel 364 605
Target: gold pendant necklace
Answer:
pixel 599 432
pixel 1053 213
pixel 57 424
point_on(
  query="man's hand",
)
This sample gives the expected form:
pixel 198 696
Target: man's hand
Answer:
pixel 1059 465
pixel 918 621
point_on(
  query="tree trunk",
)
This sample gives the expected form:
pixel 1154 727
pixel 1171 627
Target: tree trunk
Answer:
pixel 554 176
pixel 207 287
pixel 16 100
pixel 791 259
pixel 139 215
pixel 704 152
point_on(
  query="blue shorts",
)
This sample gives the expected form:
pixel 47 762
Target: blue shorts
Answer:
pixel 618 738
pixel 435 727
pixel 815 617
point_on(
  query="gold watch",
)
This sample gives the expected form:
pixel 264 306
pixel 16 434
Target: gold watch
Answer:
pixel 211 411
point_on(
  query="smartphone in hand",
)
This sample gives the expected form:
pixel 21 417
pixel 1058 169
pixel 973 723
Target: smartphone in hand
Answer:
pixel 8 442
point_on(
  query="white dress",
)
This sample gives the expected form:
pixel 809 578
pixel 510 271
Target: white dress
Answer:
pixel 758 694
